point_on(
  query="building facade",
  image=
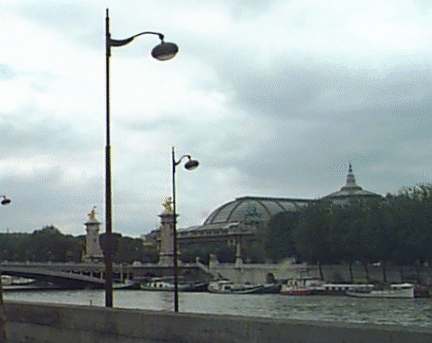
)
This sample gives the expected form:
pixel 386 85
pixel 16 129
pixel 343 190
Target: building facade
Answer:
pixel 237 222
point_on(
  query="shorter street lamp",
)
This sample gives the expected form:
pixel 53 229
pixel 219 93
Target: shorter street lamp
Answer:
pixel 189 165
pixel 5 201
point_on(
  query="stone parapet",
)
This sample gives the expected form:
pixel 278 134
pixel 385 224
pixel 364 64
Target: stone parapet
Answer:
pixel 53 323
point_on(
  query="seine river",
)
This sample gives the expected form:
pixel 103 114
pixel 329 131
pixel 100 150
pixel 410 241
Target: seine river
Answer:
pixel 405 312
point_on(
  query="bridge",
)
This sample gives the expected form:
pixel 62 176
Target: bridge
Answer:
pixel 91 275
pixel 63 279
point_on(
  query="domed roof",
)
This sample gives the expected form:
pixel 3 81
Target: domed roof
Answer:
pixel 257 208
pixel 351 189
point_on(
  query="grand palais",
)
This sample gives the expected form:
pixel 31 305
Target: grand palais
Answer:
pixel 237 222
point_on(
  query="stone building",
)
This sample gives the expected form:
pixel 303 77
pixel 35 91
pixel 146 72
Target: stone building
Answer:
pixel 237 222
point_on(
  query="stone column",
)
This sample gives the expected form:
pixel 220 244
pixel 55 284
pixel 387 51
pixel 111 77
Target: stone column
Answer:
pixel 93 251
pixel 238 257
pixel 166 238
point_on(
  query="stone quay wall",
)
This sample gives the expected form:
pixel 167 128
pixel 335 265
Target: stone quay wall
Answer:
pixel 53 323
pixel 258 273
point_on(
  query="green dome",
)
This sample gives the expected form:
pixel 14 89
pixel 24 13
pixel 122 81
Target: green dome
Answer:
pixel 257 208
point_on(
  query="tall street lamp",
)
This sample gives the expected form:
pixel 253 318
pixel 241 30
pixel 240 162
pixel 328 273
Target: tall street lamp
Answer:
pixel 189 165
pixel 5 201
pixel 163 51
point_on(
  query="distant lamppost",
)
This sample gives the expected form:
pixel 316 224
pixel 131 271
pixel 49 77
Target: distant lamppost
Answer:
pixel 5 201
pixel 163 51
pixel 189 165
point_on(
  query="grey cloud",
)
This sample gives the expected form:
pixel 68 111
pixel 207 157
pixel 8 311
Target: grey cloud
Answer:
pixel 6 72
pixel 46 197
pixel 248 9
pixel 367 116
pixel 76 20
pixel 298 90
pixel 39 136
pixel 318 116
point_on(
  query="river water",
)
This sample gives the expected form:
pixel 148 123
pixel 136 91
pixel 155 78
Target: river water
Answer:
pixel 403 312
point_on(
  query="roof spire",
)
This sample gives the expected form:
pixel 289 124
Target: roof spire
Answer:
pixel 350 179
pixel 350 176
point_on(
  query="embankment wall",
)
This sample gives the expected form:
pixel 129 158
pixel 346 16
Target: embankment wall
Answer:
pixel 258 273
pixel 49 323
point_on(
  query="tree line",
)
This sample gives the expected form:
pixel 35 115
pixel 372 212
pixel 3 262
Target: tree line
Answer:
pixel 395 230
pixel 50 244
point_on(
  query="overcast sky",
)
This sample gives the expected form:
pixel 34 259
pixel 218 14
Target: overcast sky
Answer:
pixel 274 98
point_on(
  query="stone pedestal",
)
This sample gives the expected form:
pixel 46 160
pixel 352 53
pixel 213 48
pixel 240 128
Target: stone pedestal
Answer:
pixel 93 251
pixel 166 252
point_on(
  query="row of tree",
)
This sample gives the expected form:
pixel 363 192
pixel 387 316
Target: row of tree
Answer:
pixel 395 230
pixel 49 244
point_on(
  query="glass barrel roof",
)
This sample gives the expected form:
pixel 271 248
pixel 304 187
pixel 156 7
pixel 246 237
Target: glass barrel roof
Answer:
pixel 260 208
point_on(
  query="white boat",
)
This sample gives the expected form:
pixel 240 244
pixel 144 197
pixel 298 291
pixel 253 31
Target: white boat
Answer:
pixel 167 284
pixel 228 287
pixel 400 290
pixel 343 288
pixel 302 286
pixel 8 280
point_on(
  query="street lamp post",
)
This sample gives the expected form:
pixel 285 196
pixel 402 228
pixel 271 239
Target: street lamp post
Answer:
pixel 163 51
pixel 189 165
pixel 5 201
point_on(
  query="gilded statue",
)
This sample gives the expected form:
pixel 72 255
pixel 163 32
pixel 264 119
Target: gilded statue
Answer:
pixel 92 214
pixel 167 205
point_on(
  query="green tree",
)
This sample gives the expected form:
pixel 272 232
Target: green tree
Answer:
pixel 412 210
pixel 150 254
pixel 223 252
pixel 254 252
pixel 129 250
pixel 345 232
pixel 278 238
pixel 190 253
pixel 49 244
pixel 312 235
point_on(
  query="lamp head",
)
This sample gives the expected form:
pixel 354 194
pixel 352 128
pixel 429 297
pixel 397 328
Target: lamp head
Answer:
pixel 191 164
pixel 5 201
pixel 164 51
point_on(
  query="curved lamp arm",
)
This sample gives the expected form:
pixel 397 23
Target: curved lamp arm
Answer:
pixel 181 159
pixel 120 42
pixel 189 165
